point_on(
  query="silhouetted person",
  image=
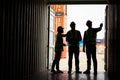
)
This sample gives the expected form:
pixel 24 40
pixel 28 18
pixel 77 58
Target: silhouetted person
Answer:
pixel 58 50
pixel 89 42
pixel 73 38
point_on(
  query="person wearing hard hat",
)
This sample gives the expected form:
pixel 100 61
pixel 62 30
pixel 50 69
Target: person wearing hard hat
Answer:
pixel 58 50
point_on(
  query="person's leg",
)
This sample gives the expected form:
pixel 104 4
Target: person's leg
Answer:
pixel 57 61
pixel 70 56
pixel 54 63
pixel 94 59
pixel 88 54
pixel 76 53
pixel 88 61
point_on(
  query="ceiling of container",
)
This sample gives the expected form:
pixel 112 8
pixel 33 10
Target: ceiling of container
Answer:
pixel 77 1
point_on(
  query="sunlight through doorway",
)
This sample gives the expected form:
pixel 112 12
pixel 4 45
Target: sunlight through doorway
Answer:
pixel 64 14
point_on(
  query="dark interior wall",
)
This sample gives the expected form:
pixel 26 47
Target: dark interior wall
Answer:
pixel 23 42
pixel 113 39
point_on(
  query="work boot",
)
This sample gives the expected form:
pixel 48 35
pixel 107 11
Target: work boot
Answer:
pixel 86 72
pixel 59 71
pixel 78 71
pixel 53 71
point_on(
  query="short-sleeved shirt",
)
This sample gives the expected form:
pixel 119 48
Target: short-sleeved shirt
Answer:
pixel 73 38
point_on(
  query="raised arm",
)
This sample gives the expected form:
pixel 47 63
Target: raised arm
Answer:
pixel 98 29
pixel 64 35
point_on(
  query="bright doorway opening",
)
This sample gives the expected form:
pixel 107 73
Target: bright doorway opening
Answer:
pixel 62 15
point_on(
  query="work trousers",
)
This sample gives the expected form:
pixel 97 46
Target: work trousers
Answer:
pixel 91 53
pixel 73 50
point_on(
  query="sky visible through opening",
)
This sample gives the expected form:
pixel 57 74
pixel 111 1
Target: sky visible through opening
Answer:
pixel 81 13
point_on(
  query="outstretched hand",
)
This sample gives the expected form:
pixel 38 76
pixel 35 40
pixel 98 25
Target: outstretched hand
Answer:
pixel 101 25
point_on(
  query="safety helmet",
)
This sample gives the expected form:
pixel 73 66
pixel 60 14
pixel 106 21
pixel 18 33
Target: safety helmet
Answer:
pixel 60 28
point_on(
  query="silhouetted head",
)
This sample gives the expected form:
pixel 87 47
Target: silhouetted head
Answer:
pixel 89 23
pixel 60 29
pixel 72 25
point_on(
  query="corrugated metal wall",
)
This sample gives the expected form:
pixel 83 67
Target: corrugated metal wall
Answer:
pixel 24 38
pixel 113 39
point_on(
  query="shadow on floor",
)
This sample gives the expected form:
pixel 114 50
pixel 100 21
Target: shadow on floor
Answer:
pixel 73 76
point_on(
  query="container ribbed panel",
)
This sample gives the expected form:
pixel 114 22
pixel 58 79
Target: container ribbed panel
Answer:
pixel 24 38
